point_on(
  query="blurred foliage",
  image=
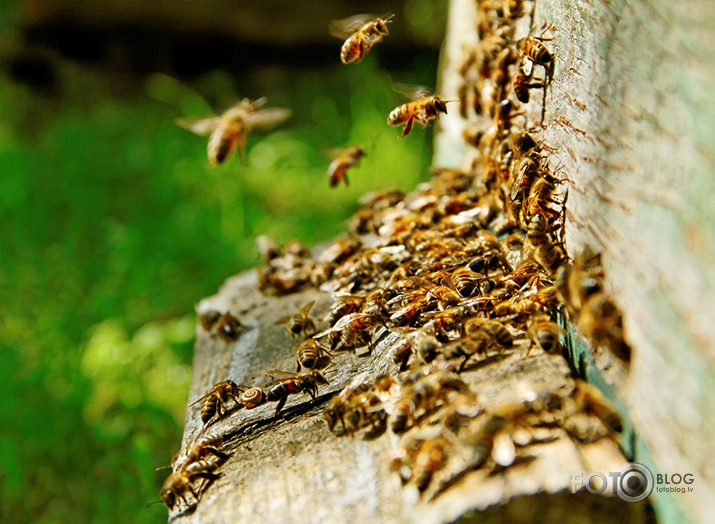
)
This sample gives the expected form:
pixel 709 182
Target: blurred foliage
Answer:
pixel 113 226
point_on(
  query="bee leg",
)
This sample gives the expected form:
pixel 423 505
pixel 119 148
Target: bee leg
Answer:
pixel 242 152
pixel 297 370
pixel 280 405
pixel 408 128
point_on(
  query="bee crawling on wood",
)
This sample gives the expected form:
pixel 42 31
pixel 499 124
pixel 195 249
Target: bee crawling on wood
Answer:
pixel 201 448
pixel 300 322
pixel 214 402
pixel 311 353
pixel 360 32
pixel 180 483
pixel 296 383
pixel 228 327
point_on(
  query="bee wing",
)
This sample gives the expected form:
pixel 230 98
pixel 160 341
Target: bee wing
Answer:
pixel 345 27
pixel 201 399
pixel 305 309
pixel 410 91
pixel 268 117
pixel 199 126
pixel 277 373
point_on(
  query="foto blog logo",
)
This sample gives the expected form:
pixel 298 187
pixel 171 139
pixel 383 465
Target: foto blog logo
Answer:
pixel 633 482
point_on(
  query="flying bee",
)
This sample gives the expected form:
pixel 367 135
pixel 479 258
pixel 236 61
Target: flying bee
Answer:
pixel 230 131
pixel 310 353
pixel 214 402
pixel 228 327
pixel 298 382
pixel 360 32
pixel 180 483
pixel 423 109
pixel 300 322
pixel 338 168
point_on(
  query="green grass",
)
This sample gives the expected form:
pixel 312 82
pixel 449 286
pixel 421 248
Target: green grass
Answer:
pixel 113 226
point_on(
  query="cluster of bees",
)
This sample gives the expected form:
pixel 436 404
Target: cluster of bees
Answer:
pixel 467 269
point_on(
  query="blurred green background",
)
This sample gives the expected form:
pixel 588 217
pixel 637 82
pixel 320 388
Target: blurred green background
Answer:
pixel 113 225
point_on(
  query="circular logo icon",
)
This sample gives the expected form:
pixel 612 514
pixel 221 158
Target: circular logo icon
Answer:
pixel 635 483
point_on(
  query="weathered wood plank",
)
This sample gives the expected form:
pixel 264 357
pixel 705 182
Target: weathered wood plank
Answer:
pixel 631 121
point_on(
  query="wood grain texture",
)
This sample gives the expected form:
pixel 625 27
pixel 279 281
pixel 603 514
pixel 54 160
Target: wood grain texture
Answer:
pixel 293 469
pixel 632 123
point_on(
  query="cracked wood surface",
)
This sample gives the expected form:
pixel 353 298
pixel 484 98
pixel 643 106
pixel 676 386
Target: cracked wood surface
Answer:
pixel 293 469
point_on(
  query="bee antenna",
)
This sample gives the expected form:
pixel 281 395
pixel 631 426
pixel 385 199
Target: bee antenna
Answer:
pixel 152 503
pixel 162 467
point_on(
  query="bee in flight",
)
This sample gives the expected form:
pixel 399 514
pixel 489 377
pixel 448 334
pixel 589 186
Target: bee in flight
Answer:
pixel 230 131
pixel 338 168
pixel 360 33
pixel 422 109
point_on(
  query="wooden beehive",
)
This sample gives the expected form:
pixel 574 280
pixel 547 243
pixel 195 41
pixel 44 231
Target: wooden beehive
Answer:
pixel 629 131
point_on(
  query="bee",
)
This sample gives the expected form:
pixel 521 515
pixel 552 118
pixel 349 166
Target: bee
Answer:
pixel 310 353
pixel 214 402
pixel 590 399
pixel 230 131
pixel 407 315
pixel 421 110
pixel 464 347
pixel 523 83
pixel 418 460
pixel 547 252
pixel 345 305
pixel 341 249
pixel 543 333
pixel 491 332
pixel 600 320
pixel 208 319
pixel 351 330
pixel 200 449
pixel 534 48
pixel 421 342
pixel 360 32
pixel 340 403
pixel 305 382
pixel 180 483
pixel 466 281
pixel 300 322
pixel 228 327
pixel 268 248
pixel 527 171
pixel 338 168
